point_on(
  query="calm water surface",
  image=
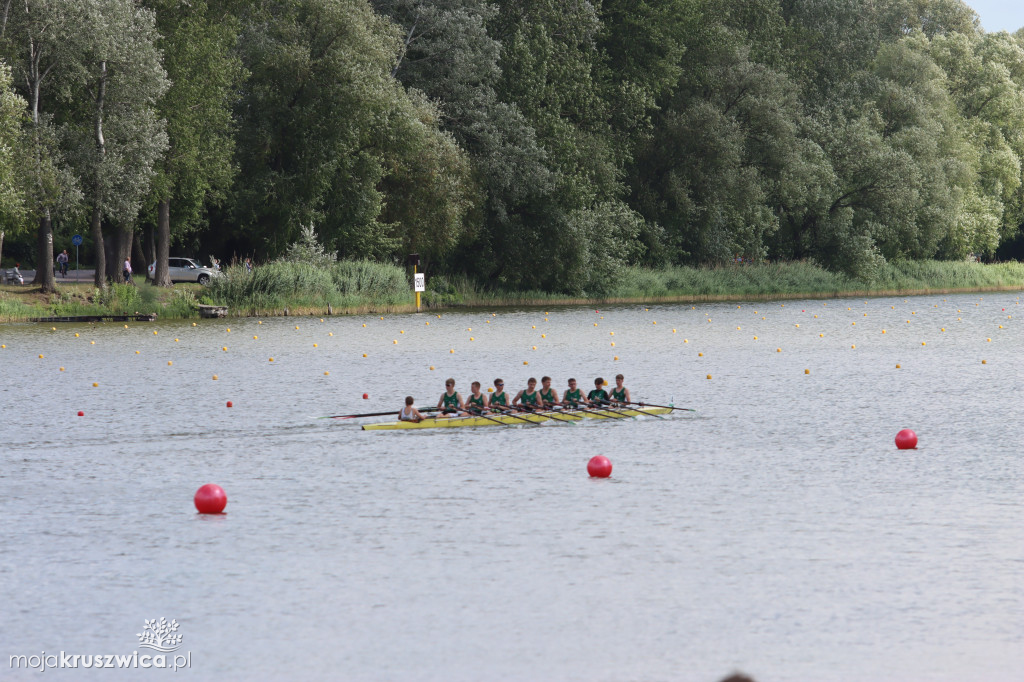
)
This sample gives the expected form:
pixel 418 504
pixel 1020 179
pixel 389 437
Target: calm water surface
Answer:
pixel 776 531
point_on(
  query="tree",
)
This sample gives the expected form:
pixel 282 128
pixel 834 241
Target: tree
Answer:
pixel 42 41
pixel 197 40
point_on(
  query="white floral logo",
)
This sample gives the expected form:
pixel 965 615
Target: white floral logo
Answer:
pixel 159 635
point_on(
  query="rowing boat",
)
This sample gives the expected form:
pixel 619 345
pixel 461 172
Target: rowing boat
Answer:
pixel 516 418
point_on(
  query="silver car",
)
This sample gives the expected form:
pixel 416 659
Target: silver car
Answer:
pixel 185 270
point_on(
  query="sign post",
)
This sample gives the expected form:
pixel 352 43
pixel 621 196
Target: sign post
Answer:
pixel 419 282
pixel 77 241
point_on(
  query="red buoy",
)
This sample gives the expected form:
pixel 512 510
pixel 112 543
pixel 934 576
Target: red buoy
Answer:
pixel 366 396
pixel 230 404
pixel 211 499
pixel 906 440
pixel 81 414
pixel 599 466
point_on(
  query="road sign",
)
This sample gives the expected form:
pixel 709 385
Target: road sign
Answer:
pixel 77 240
pixel 419 282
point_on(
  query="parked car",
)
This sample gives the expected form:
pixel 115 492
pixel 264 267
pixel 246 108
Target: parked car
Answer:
pixel 185 270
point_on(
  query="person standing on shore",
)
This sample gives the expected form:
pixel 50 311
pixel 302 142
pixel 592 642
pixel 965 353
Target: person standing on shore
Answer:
pixel 128 271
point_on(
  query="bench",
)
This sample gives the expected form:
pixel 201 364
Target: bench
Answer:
pixel 9 277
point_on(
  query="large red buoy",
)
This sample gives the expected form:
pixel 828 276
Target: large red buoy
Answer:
pixel 599 466
pixel 906 440
pixel 366 396
pixel 211 499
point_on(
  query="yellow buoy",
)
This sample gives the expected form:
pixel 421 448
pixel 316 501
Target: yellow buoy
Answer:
pixel 94 384
pixel 686 340
pixel 62 369
pixel 984 362
pixel 700 355
pixel 525 362
pixel 595 324
pixel 533 327
pixel 988 340
pixel 427 324
pixel 326 373
pixel 471 338
pixel 611 333
pixel 709 376
pixel 755 338
pixel 535 347
pixel 271 360
pixel 737 328
pixel 613 343
pixel 136 352
pixel 154 332
pixel 490 390
pixel 224 348
pixel 76 335
pixel 673 331
pixel 897 366
pixel 616 357
pixel 469 329
pixel 796 325
pixel 543 336
pixel 214 377
pixel 364 355
pixel 778 350
pixel 364 324
pixel 194 324
pixel 229 330
pixel 853 346
pixel 257 322
pixel 451 350
pixel 330 333
pixel 255 338
pixel 314 345
pixel 807 371
pixel 169 363
pixel 40 356
pixel 922 343
pixel 395 341
pixel 431 368
pixel 883 331
pixel 92 343
pixel 401 331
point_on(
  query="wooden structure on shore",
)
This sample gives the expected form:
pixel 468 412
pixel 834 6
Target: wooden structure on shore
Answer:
pixel 135 317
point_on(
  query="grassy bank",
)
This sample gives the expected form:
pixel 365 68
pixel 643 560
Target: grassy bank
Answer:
pixel 364 287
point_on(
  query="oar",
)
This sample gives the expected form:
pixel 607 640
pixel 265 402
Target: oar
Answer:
pixel 609 412
pixel 479 413
pixel 548 413
pixel 370 414
pixel 637 409
pixel 670 407
pixel 508 413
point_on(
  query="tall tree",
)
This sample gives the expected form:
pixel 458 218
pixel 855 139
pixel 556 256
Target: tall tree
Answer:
pixel 197 40
pixel 43 43
pixel 114 134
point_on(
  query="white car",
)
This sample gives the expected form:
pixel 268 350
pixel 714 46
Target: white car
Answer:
pixel 185 270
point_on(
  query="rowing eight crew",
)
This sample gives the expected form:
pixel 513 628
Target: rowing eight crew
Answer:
pixel 451 403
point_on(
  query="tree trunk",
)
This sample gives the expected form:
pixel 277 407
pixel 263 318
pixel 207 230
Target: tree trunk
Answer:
pixel 96 230
pixel 113 272
pixel 161 277
pixel 44 255
pixel 138 258
pixel 1 247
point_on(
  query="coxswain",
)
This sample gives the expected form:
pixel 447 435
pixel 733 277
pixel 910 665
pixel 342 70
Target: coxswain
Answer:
pixel 409 413
pixel 620 394
pixel 573 396
pixel 598 395
pixel 528 398
pixel 450 402
pixel 477 402
pixel 548 394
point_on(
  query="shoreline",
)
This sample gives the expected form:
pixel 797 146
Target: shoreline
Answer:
pixel 768 283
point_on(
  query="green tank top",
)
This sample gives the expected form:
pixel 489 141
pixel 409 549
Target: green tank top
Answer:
pixel 548 397
pixel 573 396
pixel 619 395
pixel 597 394
pixel 450 401
pixel 499 399
pixel 528 399
pixel 479 402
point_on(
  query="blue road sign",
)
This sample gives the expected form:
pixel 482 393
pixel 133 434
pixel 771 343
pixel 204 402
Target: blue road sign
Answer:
pixel 77 240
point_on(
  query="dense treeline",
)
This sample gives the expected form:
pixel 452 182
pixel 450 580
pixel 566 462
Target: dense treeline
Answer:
pixel 533 144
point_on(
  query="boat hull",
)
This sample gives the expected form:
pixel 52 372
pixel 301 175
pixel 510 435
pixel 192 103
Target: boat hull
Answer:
pixel 518 418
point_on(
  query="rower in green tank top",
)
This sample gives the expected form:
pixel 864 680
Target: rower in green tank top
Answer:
pixel 598 395
pixel 499 401
pixel 528 397
pixel 620 394
pixel 477 401
pixel 450 402
pixel 573 396
pixel 548 394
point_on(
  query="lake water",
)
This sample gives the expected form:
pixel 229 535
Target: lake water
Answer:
pixel 777 531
